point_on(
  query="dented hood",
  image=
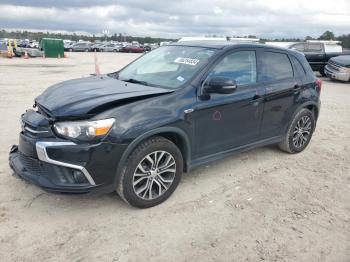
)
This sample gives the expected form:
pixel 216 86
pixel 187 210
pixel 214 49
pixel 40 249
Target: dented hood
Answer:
pixel 86 96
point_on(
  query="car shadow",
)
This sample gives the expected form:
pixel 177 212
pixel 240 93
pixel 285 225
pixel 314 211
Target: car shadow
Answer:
pixel 113 201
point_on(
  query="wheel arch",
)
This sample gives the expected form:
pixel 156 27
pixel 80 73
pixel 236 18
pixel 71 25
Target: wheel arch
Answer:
pixel 311 105
pixel 313 108
pixel 174 134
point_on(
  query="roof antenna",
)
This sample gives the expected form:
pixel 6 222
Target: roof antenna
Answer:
pixel 97 67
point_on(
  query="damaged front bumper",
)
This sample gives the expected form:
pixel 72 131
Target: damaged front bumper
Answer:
pixel 48 173
pixel 63 166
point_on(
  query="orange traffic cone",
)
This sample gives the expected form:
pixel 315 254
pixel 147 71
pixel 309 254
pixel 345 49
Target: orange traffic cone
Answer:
pixel 97 67
pixel 26 55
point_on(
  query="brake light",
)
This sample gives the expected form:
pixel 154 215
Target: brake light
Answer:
pixel 319 84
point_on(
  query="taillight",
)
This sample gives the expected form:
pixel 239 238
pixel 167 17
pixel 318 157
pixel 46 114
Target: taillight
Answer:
pixel 319 84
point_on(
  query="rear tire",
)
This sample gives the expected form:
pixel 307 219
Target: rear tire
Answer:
pixel 299 132
pixel 151 174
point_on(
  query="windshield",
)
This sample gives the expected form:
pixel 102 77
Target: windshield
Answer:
pixel 167 66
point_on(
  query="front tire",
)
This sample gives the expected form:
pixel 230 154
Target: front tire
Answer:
pixel 299 132
pixel 151 173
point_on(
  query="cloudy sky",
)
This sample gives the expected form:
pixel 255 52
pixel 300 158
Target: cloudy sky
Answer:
pixel 176 18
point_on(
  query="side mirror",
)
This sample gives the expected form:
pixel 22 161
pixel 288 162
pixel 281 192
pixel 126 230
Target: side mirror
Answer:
pixel 220 85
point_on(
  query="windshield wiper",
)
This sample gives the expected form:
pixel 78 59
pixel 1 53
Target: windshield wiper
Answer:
pixel 135 81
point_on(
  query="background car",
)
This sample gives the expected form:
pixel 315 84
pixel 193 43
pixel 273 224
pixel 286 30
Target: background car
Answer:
pixel 68 46
pixel 80 47
pixel 318 53
pixel 132 49
pixel 97 47
pixel 338 68
pixel 112 47
pixel 147 48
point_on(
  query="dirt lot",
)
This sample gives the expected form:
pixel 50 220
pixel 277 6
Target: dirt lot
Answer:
pixel 259 205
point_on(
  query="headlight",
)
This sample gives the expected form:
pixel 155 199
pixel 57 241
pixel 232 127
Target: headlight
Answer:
pixel 84 130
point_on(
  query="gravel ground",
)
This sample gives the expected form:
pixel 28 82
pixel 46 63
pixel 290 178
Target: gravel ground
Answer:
pixel 260 205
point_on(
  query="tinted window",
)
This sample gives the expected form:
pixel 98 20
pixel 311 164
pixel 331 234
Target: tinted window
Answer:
pixel 299 69
pixel 314 47
pixel 240 66
pixel 299 47
pixel 276 66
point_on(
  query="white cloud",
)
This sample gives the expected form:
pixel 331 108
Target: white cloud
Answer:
pixel 264 18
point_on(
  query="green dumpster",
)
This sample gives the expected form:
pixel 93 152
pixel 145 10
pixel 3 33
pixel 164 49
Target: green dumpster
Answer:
pixel 52 47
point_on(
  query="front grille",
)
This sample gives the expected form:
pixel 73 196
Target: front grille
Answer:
pixel 32 165
pixel 58 175
pixel 333 66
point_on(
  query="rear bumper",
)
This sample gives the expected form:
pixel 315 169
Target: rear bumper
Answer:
pixel 341 76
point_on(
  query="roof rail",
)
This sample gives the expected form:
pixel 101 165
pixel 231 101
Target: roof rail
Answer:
pixel 231 39
pixel 330 42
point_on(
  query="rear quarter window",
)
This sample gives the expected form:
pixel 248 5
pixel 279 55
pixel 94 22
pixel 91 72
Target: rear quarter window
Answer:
pixel 276 66
pixel 314 47
pixel 299 69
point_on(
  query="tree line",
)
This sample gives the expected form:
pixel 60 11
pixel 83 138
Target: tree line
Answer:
pixel 327 35
pixel 75 37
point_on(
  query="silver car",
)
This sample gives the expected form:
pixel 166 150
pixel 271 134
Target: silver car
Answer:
pixel 112 48
pixel 81 47
pixel 338 68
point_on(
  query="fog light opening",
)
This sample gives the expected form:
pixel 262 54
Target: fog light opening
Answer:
pixel 79 177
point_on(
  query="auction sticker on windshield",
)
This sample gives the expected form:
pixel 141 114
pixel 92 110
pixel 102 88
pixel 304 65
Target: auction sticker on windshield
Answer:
pixel 186 61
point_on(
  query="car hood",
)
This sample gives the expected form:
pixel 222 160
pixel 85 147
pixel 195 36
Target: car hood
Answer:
pixel 343 60
pixel 85 97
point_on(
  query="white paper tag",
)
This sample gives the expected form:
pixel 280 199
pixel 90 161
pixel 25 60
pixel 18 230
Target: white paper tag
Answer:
pixel 180 78
pixel 186 61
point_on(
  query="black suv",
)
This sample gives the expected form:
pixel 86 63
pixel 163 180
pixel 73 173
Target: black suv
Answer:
pixel 182 105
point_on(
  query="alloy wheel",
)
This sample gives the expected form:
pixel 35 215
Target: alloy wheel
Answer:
pixel 302 131
pixel 154 175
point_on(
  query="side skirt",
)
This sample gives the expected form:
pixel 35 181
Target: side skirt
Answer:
pixel 217 156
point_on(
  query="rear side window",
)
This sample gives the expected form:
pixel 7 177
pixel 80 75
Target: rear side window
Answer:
pixel 314 47
pixel 276 66
pixel 240 66
pixel 299 69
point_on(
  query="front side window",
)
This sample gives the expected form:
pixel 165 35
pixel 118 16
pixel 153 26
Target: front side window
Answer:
pixel 167 66
pixel 276 66
pixel 239 66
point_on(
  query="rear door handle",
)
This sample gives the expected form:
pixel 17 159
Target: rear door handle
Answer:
pixel 255 100
pixel 296 89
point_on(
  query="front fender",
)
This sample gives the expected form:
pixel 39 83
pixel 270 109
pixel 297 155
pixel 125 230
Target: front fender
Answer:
pixel 146 135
